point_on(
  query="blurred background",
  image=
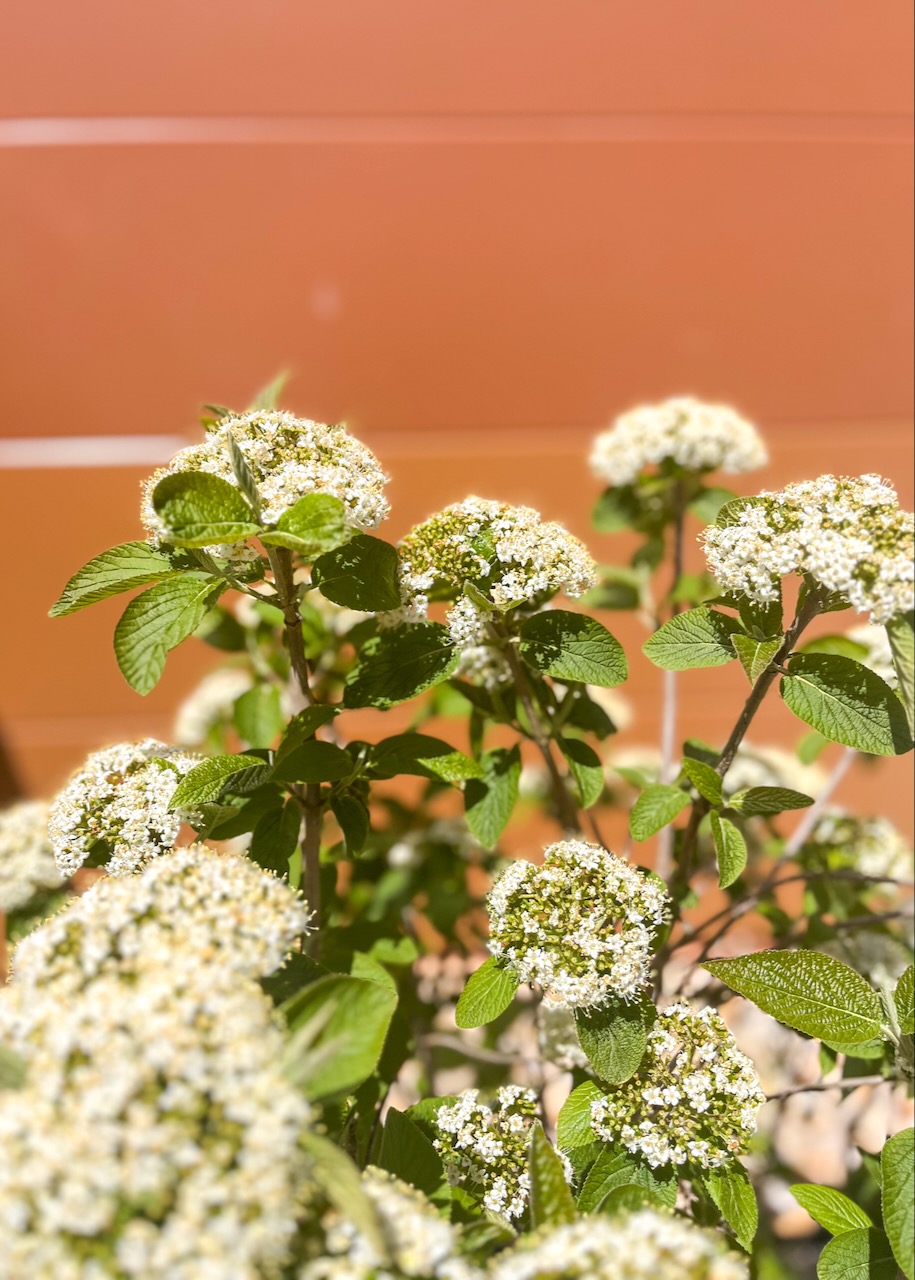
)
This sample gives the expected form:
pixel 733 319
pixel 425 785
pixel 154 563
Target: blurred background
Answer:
pixel 477 232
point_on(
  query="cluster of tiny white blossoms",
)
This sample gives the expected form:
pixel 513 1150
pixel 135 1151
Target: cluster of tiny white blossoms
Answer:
pixel 485 1150
pixel 288 458
pixel 871 845
pixel 696 436
pixel 120 796
pixel 693 1100
pixel 582 925
pixel 508 554
pixel 878 655
pixel 418 1242
pixel 847 534
pixel 646 1245
pixel 27 865
pixel 155 1133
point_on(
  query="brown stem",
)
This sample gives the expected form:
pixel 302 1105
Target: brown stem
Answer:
pixel 281 563
pixel 566 809
pixel 822 1086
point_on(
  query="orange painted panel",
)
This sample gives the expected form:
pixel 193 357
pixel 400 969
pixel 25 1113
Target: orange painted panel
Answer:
pixel 102 57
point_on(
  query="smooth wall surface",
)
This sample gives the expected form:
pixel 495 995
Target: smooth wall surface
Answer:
pixel 477 232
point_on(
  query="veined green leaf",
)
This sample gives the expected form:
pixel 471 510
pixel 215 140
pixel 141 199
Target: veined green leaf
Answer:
pixel 755 801
pixel 572 646
pixel 613 1036
pixel 362 574
pixel 206 780
pixel 586 769
pixel 398 664
pixel 356 1015
pixel 730 848
pixel 862 1254
pixel 489 801
pixel 158 620
pixel 658 805
pixel 423 756
pixel 755 655
pixel 488 993
pixel 199 509
pixel 897 1163
pixel 698 638
pixel 617 1168
pixel 732 1192
pixel 551 1200
pixel 314 761
pixel 311 526
pixel 831 1209
pixel 847 703
pixel 704 778
pixel 900 632
pixel 408 1154
pixel 258 716
pixel 276 837
pixel 573 1127
pixel 353 819
pixel 806 990
pixel 133 564
pixel 903 998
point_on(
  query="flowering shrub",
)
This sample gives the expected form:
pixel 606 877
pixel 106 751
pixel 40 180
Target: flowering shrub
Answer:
pixel 261 1038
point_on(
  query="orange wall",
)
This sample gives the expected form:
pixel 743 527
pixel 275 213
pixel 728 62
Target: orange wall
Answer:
pixel 475 231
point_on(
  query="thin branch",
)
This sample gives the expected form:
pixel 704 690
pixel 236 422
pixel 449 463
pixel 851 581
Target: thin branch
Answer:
pixel 823 1086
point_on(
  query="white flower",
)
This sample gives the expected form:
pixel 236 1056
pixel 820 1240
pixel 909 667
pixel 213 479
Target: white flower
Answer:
pixel 485 1150
pixel 508 555
pixel 419 1242
pixel 646 1245
pixel 156 1134
pixel 582 925
pixel 120 799
pixel 693 1100
pixel 848 535
pixel 872 846
pixel 288 457
pixel 696 436
pixel 27 865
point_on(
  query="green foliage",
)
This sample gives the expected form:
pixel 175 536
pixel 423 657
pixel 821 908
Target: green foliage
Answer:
pixel 616 1168
pixel 423 756
pixel 657 806
pixel 613 1036
pixel 276 837
pixel 730 850
pixel 900 632
pixel 487 994
pixel 705 779
pixel 904 997
pixel 551 1200
pixel 586 770
pixel 354 1016
pixel 314 761
pixel 806 990
pixel 360 575
pixel 133 564
pixel 314 524
pixel 848 703
pixel 733 1194
pixel 398 664
pixel 570 646
pixel 573 1127
pixel 490 799
pixel 755 655
pixel 699 638
pixel 406 1152
pixel 206 781
pixel 756 801
pixel 156 622
pixel 862 1254
pixel 831 1209
pixel 258 716
pixel 897 1164
pixel 200 510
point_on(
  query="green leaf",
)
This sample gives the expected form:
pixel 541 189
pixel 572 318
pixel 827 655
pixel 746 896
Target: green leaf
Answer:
pixel 398 664
pixel 155 622
pixel 658 805
pixel 898 1198
pixel 314 761
pixel 573 1126
pixel 811 747
pixel 133 564
pixel 551 1202
pixel 489 801
pixel 833 1211
pixel 698 638
pixel 360 575
pixel 314 524
pixel 258 716
pixel 571 646
pixel 199 509
pixel 268 397
pixel 614 1169
pixel 243 474
pixel 207 779
pixel 302 728
pixel 615 509
pixel 904 998
pixel 222 630
pixel 730 849
pixel 754 801
pixel 613 1037
pixel 353 819
pixel 704 778
pixel 806 990
pixel 847 703
pixel 488 993
pixel 276 838
pixel 900 632
pixel 708 502
pixel 629 1198
pixel 585 768
pixel 339 1179
pixel 355 1016
pixel 862 1254
pixel 424 757
pixel 732 1192
pixel 407 1153
pixel 755 655
pixel 13 1069
pixel 763 619
pixel 839 644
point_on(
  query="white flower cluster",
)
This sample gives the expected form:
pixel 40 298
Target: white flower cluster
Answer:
pixel 646 1245
pixel 27 865
pixel 419 1243
pixel 485 1150
pixel 848 534
pixel 878 654
pixel 155 1134
pixel 582 925
pixel 288 457
pixel 693 1100
pixel 696 436
pixel 120 796
pixel 508 554
pixel 872 846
